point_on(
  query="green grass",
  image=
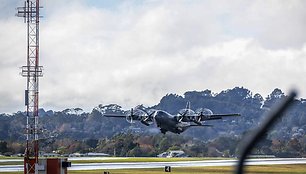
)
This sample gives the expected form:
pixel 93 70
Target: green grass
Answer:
pixel 277 169
pixel 11 163
pixel 6 157
pixel 270 169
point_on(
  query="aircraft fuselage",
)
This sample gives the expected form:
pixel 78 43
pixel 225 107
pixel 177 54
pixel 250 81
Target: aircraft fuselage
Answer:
pixel 167 122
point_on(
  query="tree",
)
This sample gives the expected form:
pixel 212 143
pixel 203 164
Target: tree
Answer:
pixel 273 98
pixel 294 145
pixel 135 152
pixel 78 111
pixel 3 146
pixel 92 143
pixel 164 145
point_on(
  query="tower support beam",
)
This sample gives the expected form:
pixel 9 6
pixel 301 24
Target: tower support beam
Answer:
pixel 32 71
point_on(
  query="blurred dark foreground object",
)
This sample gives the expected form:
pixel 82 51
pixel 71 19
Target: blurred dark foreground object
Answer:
pixel 275 113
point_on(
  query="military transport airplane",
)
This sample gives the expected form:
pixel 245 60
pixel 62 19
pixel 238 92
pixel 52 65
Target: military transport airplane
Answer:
pixel 185 119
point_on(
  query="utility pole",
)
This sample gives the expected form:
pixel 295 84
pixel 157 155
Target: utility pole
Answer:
pixel 32 71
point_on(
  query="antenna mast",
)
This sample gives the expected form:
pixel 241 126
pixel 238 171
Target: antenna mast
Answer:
pixel 32 71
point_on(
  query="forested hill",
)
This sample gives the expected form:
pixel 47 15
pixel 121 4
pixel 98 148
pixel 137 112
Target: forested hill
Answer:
pixel 76 124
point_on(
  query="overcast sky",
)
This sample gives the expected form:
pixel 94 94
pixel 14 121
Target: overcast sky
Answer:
pixel 131 52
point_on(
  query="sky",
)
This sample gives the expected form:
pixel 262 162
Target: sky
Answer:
pixel 132 52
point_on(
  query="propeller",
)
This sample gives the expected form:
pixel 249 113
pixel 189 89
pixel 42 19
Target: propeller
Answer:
pixel 129 116
pixel 204 112
pixel 139 114
pixel 199 113
pixel 184 113
pixel 148 118
pixel 197 120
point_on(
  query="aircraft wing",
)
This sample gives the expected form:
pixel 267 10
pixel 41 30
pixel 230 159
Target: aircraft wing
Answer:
pixel 114 115
pixel 216 116
pixel 202 125
pixel 134 115
pixel 197 119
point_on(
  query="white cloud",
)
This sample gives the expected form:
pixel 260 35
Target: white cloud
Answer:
pixel 276 24
pixel 137 53
pixel 11 83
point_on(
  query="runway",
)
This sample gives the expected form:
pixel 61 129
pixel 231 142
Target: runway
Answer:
pixel 134 165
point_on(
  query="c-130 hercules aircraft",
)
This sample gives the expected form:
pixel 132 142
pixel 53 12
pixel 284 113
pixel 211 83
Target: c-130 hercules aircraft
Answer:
pixel 177 124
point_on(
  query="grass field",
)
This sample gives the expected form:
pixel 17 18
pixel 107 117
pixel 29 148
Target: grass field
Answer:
pixel 5 157
pixel 10 162
pixel 270 169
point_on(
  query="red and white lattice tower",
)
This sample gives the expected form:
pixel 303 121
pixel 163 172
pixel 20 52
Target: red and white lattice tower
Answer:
pixel 32 71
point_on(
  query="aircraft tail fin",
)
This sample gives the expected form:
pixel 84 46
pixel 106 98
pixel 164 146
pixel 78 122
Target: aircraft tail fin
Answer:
pixel 188 105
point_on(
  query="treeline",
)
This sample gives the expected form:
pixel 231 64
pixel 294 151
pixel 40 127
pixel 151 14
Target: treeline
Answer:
pixel 141 145
pixel 128 144
pixel 74 126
